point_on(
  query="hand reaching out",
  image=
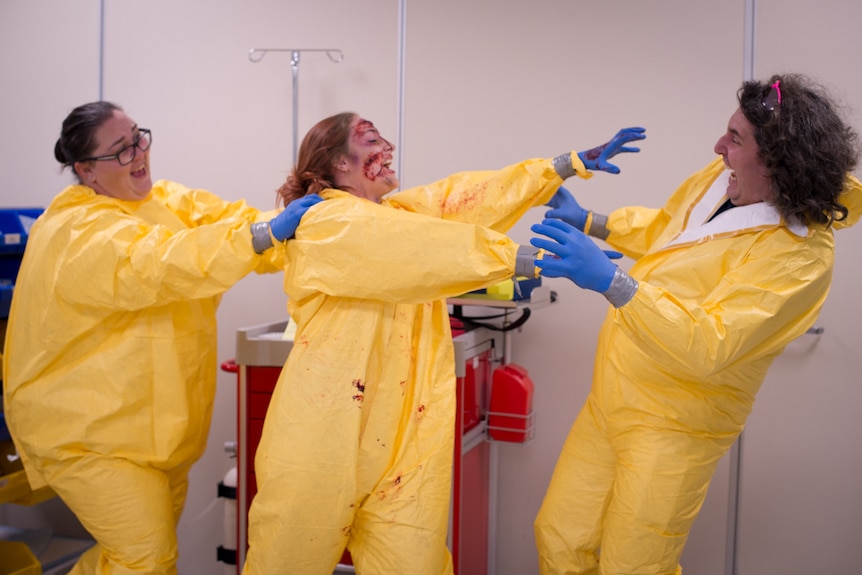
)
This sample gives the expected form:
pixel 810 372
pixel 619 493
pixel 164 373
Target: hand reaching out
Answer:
pixel 597 158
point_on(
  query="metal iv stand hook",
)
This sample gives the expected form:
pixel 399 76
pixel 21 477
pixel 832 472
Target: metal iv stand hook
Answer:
pixel 255 55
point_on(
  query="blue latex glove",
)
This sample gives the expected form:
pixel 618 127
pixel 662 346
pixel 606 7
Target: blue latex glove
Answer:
pixel 597 158
pixel 284 225
pixel 566 208
pixel 576 256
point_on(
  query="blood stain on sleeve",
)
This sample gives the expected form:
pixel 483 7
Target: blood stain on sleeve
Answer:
pixel 360 390
pixel 465 201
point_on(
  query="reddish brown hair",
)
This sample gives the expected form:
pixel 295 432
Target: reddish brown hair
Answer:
pixel 320 148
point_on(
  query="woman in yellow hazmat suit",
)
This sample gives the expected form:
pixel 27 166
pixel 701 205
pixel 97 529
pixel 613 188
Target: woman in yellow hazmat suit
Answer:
pixel 736 265
pixel 358 441
pixel 110 368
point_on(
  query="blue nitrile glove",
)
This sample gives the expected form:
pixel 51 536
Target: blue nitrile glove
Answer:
pixel 597 158
pixel 577 257
pixel 284 225
pixel 566 208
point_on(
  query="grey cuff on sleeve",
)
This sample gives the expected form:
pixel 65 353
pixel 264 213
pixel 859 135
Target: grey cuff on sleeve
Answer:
pixel 598 227
pixel 261 239
pixel 563 166
pixel 623 289
pixel 525 261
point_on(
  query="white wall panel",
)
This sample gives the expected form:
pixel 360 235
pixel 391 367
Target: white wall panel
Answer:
pixel 49 63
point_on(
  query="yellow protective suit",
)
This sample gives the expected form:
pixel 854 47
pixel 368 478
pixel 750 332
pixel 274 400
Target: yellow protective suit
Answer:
pixel 357 445
pixel 110 366
pixel 676 372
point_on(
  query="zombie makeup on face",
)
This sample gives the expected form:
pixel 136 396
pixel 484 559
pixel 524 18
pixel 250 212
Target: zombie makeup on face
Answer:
pixel 373 166
pixel 365 135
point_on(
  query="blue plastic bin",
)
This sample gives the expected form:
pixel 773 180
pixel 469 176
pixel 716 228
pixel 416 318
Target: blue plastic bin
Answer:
pixel 15 224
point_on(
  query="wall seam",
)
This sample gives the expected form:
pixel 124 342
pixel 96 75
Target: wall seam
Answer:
pixel 101 49
pixel 731 565
pixel 402 40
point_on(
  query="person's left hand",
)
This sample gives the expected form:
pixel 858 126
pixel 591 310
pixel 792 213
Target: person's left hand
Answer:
pixel 565 207
pixel 577 257
pixel 597 158
pixel 284 225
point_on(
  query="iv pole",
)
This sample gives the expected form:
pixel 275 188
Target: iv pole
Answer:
pixel 257 54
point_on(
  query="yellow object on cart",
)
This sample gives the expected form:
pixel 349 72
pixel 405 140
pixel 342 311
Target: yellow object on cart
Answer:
pixel 17 559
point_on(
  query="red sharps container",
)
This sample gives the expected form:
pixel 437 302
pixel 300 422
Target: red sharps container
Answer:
pixel 510 414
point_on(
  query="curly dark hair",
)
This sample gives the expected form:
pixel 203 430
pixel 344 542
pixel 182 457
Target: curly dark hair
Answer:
pixel 320 148
pixel 804 143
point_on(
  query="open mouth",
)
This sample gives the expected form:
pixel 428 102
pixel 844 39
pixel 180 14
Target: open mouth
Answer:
pixel 386 167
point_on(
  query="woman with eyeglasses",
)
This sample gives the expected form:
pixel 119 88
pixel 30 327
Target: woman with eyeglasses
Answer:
pixel 109 364
pixel 736 265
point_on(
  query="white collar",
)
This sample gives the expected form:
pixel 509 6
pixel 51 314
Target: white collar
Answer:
pixel 698 227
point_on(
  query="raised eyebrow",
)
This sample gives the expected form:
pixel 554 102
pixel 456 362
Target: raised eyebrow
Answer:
pixel 119 140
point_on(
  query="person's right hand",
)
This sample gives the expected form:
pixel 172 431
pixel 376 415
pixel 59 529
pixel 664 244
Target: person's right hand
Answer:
pixel 284 225
pixel 566 208
pixel 576 256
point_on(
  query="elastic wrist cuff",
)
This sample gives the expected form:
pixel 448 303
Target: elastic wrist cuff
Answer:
pixel 261 239
pixel 622 289
pixel 588 223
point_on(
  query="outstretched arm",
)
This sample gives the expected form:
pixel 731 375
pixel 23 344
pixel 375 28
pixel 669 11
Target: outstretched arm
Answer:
pixel 497 199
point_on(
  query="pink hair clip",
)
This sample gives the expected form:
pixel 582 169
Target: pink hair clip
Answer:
pixel 773 98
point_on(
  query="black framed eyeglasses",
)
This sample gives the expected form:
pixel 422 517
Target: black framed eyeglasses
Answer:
pixel 127 155
pixel 773 98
